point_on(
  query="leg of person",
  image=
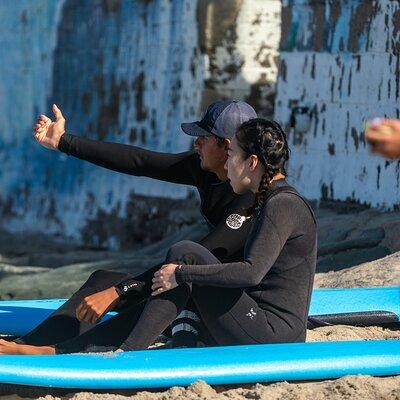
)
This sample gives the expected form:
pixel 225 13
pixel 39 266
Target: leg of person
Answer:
pixel 134 328
pixel 187 325
pixel 62 324
pixel 185 328
pixel 162 309
pixel 232 317
pixel 140 288
pixel 103 337
pixel 137 327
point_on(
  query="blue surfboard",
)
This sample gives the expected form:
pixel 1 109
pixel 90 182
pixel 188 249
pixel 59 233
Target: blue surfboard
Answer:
pixel 20 316
pixel 215 365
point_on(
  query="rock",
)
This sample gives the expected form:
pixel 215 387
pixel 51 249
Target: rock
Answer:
pixel 349 258
pixel 348 237
pixel 63 281
pixel 382 272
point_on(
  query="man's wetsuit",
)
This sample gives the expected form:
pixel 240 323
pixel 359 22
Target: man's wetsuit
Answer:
pixel 217 198
pixel 217 202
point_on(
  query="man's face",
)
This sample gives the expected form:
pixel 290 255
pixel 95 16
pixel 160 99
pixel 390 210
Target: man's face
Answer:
pixel 212 154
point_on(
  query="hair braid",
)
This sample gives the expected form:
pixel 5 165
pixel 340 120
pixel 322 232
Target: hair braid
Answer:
pixel 267 141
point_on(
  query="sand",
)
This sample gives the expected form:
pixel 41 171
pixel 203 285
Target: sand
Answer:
pixel 355 387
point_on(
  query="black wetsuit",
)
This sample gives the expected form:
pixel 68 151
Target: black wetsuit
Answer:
pixel 266 296
pixel 217 198
pixel 263 299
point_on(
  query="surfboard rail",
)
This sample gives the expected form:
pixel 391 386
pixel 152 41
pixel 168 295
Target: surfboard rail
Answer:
pixel 215 365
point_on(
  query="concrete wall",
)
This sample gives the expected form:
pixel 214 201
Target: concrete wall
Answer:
pixel 128 71
pixel 240 41
pixel 339 67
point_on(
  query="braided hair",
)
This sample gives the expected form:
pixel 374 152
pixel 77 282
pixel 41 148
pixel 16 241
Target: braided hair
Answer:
pixel 267 140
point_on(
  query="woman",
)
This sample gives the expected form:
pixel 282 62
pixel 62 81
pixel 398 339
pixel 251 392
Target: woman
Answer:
pixel 262 299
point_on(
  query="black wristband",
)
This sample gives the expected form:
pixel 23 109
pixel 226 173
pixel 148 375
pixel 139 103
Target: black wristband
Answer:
pixel 124 288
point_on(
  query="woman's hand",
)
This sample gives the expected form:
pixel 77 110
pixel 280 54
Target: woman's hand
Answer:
pixel 47 132
pixel 94 307
pixel 164 279
pixel 383 135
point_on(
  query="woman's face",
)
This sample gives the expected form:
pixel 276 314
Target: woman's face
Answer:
pixel 238 167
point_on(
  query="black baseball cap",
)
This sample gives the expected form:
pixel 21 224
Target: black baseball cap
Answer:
pixel 222 119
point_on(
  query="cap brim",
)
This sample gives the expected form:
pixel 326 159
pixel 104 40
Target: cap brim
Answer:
pixel 192 129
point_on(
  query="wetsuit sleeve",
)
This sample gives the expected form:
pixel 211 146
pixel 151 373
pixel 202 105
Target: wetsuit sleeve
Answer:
pixel 223 241
pixel 268 236
pixel 181 168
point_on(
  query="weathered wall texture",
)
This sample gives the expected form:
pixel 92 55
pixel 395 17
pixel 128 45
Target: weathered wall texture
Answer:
pixel 240 39
pixel 339 66
pixel 128 71
pixel 28 35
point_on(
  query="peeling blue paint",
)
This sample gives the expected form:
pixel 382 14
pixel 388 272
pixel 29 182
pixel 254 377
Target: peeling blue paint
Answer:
pixel 352 78
pixel 126 66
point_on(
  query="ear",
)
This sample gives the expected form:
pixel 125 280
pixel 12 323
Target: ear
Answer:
pixel 226 144
pixel 253 162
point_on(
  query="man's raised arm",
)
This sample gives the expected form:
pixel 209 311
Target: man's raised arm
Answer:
pixel 181 168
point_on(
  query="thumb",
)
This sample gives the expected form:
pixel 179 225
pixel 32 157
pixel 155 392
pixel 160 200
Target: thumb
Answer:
pixel 57 113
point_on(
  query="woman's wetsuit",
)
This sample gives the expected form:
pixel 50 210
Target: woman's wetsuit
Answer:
pixel 263 299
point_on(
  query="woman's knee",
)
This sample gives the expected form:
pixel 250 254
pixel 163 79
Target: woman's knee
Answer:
pixel 185 250
pixel 184 245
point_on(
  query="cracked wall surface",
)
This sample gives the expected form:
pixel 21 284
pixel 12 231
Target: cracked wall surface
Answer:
pixel 128 71
pixel 339 67
pixel 240 39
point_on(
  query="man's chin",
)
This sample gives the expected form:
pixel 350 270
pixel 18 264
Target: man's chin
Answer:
pixel 239 190
pixel 204 166
pixel 235 189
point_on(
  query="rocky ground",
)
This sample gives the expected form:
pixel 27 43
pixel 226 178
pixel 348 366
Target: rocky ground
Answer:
pixel 358 247
pixel 351 238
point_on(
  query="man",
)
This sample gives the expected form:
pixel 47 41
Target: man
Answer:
pixel 203 168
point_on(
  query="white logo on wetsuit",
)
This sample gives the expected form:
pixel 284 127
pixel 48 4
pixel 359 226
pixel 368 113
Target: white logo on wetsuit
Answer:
pixel 251 314
pixel 235 221
pixel 126 287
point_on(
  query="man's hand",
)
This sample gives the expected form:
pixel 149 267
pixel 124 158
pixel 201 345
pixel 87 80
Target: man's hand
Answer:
pixel 383 135
pixel 94 307
pixel 47 132
pixel 164 279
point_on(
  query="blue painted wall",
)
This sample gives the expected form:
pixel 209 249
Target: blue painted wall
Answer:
pixel 124 71
pixel 340 61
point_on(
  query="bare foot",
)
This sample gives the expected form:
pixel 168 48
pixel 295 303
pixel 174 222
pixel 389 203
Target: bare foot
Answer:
pixel 23 349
